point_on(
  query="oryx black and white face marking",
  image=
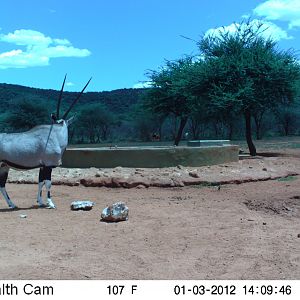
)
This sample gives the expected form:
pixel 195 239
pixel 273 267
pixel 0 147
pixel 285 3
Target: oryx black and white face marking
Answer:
pixel 41 147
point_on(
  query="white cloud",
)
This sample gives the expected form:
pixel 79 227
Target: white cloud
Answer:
pixel 268 29
pixel 61 42
pixel 24 37
pixel 39 49
pixel 246 16
pixel 142 85
pixel 283 10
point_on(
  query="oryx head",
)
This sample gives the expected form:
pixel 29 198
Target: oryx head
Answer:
pixel 63 120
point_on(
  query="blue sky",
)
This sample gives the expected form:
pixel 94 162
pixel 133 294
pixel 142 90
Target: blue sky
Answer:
pixel 117 41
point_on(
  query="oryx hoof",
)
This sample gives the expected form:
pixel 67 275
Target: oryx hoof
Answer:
pixel 50 204
pixel 40 203
pixel 13 207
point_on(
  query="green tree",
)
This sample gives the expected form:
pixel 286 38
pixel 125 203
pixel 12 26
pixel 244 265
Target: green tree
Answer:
pixel 245 72
pixel 95 121
pixel 169 94
pixel 287 115
pixel 26 114
pixel 145 123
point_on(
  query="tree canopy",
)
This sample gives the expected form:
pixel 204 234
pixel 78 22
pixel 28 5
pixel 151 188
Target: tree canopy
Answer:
pixel 169 93
pixel 248 73
pixel 236 73
pixel 27 114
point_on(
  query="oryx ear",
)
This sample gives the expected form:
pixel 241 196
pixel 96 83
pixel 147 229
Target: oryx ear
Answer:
pixel 74 102
pixel 59 99
pixel 71 120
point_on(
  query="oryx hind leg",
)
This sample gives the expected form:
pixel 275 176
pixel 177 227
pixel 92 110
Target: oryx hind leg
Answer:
pixel 3 177
pixel 39 195
pixel 45 179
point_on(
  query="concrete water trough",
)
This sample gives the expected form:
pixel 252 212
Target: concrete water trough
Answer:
pixel 149 156
pixel 200 143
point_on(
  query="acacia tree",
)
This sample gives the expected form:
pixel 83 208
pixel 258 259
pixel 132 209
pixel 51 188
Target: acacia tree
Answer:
pixel 287 115
pixel 258 115
pixel 169 94
pixel 244 72
pixel 95 121
pixel 25 114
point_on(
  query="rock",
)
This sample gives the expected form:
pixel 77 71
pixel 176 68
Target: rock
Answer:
pixel 264 169
pixel 140 186
pixel 96 182
pixel 99 174
pixel 177 174
pixel 161 182
pixel 129 182
pixel 82 205
pixel 177 182
pixel 117 169
pixel 65 182
pixel 165 174
pixel 298 235
pixel 135 181
pixel 23 216
pixel 115 213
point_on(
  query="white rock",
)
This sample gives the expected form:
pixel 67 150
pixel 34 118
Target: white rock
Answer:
pixel 115 213
pixel 82 205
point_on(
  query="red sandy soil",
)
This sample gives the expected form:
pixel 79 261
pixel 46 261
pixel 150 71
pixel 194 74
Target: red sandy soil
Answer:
pixel 238 231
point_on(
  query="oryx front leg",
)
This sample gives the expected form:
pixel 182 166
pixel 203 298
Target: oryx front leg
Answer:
pixel 3 177
pixel 49 200
pixel 45 179
pixel 39 196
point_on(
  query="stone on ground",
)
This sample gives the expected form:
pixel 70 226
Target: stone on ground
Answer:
pixel 115 213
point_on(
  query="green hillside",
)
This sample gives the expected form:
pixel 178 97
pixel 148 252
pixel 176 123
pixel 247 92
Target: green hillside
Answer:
pixel 116 101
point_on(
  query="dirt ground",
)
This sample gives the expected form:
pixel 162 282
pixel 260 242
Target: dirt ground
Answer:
pixel 238 231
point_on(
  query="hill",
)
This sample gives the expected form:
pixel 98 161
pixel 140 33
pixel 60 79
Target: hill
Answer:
pixel 117 101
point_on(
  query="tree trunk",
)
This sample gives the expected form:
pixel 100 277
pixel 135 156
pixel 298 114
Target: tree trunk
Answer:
pixel 258 117
pixel 216 128
pixel 257 127
pixel 194 127
pixel 71 134
pixel 286 127
pixel 251 146
pixel 175 127
pixel 230 131
pixel 104 130
pixel 160 131
pixel 183 121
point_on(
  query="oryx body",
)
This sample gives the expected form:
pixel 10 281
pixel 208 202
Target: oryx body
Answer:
pixel 41 147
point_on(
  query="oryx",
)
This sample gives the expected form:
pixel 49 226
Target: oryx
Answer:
pixel 41 147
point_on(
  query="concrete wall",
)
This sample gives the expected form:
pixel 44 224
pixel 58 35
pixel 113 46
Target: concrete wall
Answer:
pixel 149 157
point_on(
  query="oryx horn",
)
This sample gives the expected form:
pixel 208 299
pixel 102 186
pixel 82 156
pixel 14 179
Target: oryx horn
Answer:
pixel 74 102
pixel 60 96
